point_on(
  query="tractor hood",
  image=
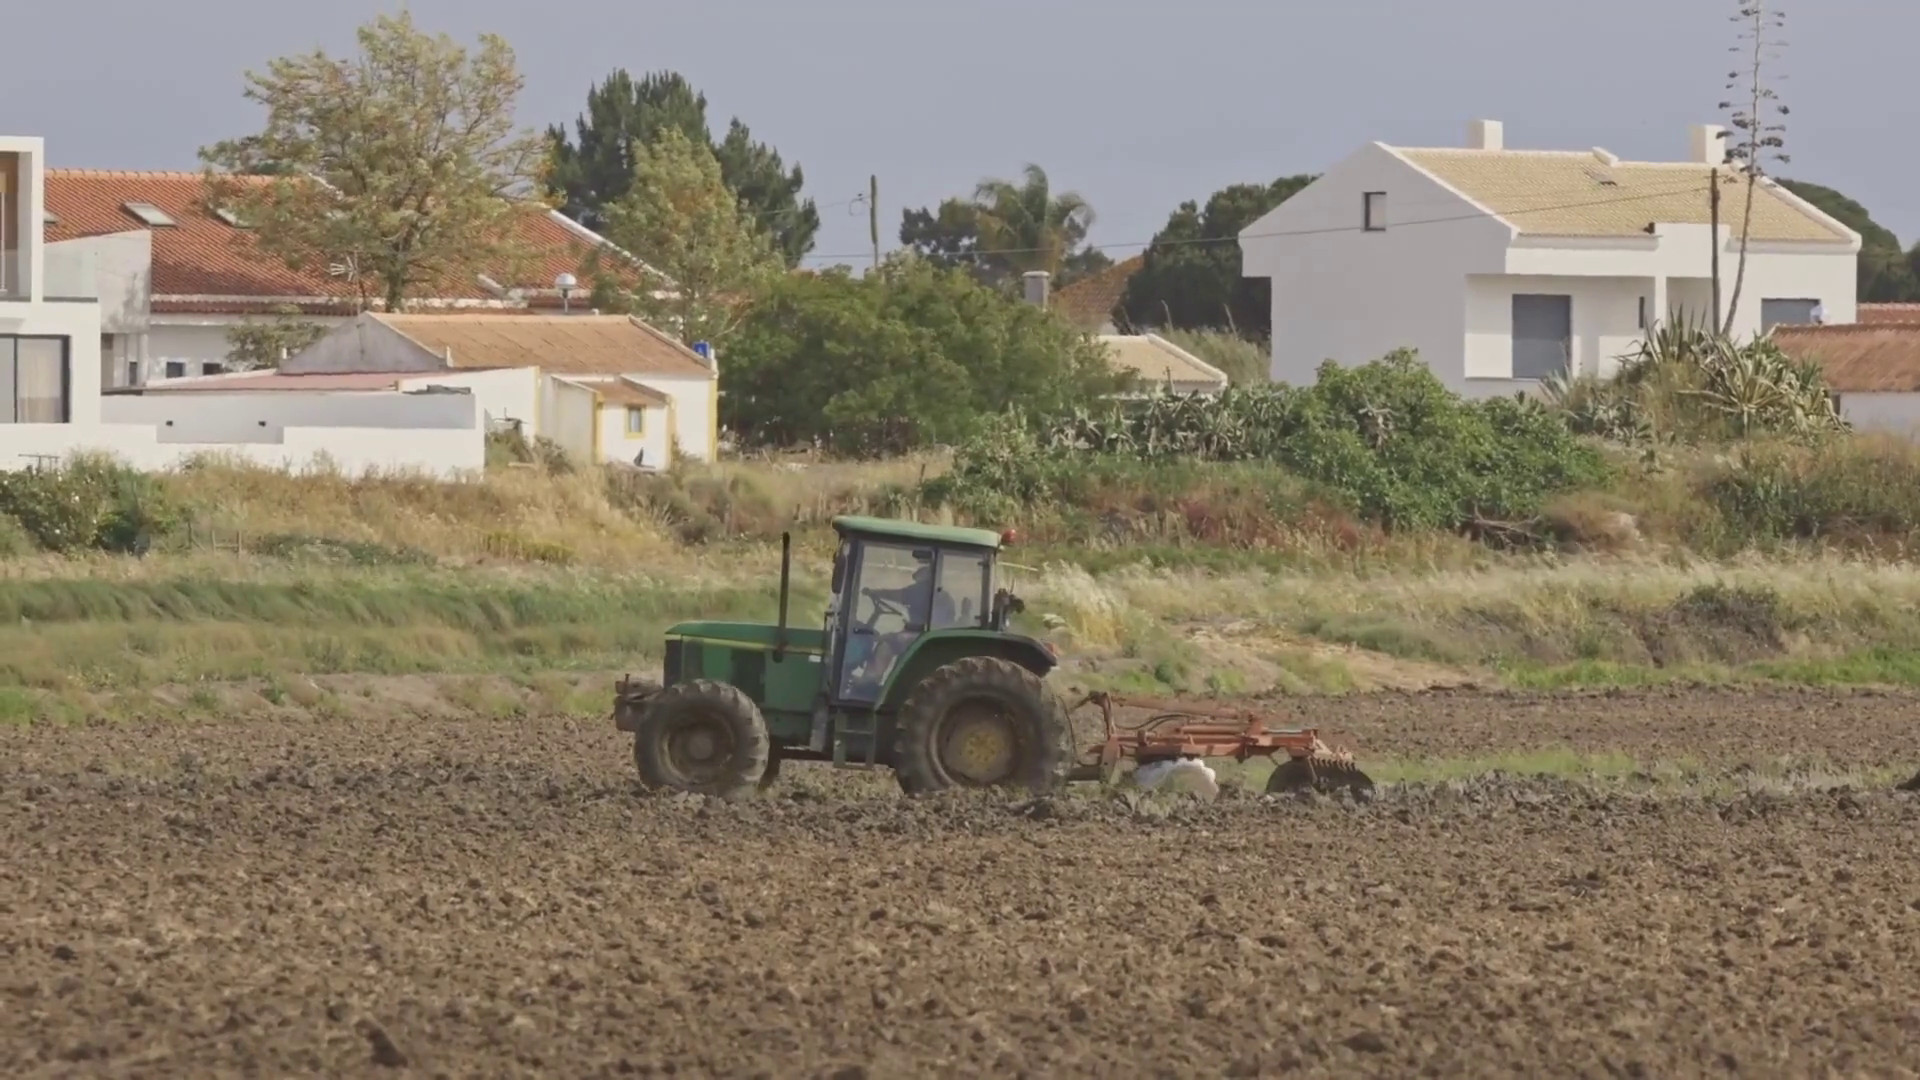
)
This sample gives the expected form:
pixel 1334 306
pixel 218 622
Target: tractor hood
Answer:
pixel 748 635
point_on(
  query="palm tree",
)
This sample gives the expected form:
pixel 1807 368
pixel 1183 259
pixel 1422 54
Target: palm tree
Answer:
pixel 1036 229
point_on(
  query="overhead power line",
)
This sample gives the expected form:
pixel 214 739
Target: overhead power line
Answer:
pixel 1203 240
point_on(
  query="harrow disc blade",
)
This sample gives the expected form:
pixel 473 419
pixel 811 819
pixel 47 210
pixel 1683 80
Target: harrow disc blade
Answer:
pixel 1317 772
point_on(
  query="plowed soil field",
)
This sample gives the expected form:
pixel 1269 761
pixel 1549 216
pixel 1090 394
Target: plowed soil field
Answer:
pixel 493 897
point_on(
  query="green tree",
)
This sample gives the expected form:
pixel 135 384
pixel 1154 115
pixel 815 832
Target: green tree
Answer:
pixel 1888 275
pixel 1191 278
pixel 264 343
pixel 1007 229
pixel 595 167
pixel 913 356
pixel 682 214
pixel 415 144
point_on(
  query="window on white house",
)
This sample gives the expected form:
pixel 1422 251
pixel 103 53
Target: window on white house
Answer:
pixel 1374 211
pixel 636 420
pixel 1643 313
pixel 1542 335
pixel 1800 312
pixel 212 367
pixel 35 380
pixel 176 369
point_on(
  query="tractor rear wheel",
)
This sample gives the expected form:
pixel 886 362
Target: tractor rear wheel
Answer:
pixel 702 736
pixel 979 722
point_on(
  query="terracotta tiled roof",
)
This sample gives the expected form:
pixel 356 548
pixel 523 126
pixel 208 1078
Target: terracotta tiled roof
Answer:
pixel 202 264
pixel 1889 313
pixel 1156 361
pixel 1089 302
pixel 1859 357
pixel 1578 193
pixel 558 344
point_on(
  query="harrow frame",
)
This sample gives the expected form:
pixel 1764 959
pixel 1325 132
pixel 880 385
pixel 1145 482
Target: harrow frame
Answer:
pixel 1180 731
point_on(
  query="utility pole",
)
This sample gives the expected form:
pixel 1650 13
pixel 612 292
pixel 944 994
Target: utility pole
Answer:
pixel 873 217
pixel 1713 218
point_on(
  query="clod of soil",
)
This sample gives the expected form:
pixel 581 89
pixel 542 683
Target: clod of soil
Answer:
pixel 496 896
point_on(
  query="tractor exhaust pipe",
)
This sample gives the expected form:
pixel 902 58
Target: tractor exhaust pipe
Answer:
pixel 786 582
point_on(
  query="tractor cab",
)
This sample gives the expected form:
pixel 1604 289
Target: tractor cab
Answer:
pixel 894 582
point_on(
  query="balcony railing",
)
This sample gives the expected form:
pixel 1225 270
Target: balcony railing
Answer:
pixel 12 281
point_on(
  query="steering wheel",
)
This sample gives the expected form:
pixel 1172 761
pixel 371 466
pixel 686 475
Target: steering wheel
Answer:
pixel 881 606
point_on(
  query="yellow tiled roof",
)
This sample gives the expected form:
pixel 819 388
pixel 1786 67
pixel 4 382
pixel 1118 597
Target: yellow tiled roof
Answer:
pixel 1156 361
pixel 1574 193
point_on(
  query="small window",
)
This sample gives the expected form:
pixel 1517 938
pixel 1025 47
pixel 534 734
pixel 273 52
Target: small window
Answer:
pixel 176 369
pixel 1643 313
pixel 150 214
pixel 1375 211
pixel 231 217
pixel 133 373
pixel 50 217
pixel 212 367
pixel 636 420
pixel 1788 312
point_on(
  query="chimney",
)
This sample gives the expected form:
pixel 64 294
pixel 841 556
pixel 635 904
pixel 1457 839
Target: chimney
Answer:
pixel 1486 135
pixel 1036 281
pixel 1709 144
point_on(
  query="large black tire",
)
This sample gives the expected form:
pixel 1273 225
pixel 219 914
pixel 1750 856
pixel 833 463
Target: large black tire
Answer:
pixel 702 736
pixel 980 722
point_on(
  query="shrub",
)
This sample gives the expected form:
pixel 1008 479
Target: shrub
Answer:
pixel 1689 383
pixel 1385 441
pixel 92 503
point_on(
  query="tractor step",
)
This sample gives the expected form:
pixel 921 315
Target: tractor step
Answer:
pixel 856 725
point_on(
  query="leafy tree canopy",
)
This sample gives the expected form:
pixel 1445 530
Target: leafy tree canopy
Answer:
pixel 913 356
pixel 595 167
pixel 1191 278
pixel 1007 229
pixel 415 141
pixel 682 214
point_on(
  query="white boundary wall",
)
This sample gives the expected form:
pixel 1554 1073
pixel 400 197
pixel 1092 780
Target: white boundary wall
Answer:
pixel 444 453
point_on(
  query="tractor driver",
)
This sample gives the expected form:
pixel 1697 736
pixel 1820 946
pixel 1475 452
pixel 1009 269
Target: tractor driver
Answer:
pixel 925 610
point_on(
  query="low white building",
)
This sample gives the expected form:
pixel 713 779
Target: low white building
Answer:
pixel 1503 267
pixel 1160 365
pixel 52 315
pixel 605 388
pixel 1872 370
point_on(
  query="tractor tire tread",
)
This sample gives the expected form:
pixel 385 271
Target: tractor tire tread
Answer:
pixel 1039 713
pixel 742 716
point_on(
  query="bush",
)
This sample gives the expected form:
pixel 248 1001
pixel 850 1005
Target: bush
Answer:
pixel 1852 492
pixel 1385 441
pixel 1691 384
pixel 92 503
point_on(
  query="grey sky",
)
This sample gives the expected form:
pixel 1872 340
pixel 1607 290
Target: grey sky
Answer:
pixel 1137 104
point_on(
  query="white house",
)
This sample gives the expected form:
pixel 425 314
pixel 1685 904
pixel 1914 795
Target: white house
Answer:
pixel 606 388
pixel 52 314
pixel 1502 266
pixel 193 271
pixel 1159 364
pixel 1872 370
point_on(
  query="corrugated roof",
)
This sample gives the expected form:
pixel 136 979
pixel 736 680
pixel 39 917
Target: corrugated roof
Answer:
pixel 1157 360
pixel 1859 357
pixel 1089 302
pixel 1577 193
pixel 623 392
pixel 1889 313
pixel 557 344
pixel 203 264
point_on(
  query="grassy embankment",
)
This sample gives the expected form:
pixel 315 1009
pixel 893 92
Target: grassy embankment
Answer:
pixel 524 592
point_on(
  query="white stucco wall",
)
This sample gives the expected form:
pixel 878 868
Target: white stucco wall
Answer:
pixel 1353 296
pixel 506 394
pixel 445 454
pixel 619 447
pixel 567 414
pixel 1606 323
pixel 1897 414
pixel 242 416
pixel 694 404
pixel 194 340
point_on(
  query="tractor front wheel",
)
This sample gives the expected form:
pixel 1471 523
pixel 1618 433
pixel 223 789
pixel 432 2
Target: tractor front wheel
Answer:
pixel 702 736
pixel 979 722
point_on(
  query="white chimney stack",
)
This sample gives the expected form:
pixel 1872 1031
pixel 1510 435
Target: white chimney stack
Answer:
pixel 1486 135
pixel 1709 144
pixel 1036 282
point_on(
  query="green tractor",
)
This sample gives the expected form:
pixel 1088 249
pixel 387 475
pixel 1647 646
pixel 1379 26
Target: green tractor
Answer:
pixel 914 668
